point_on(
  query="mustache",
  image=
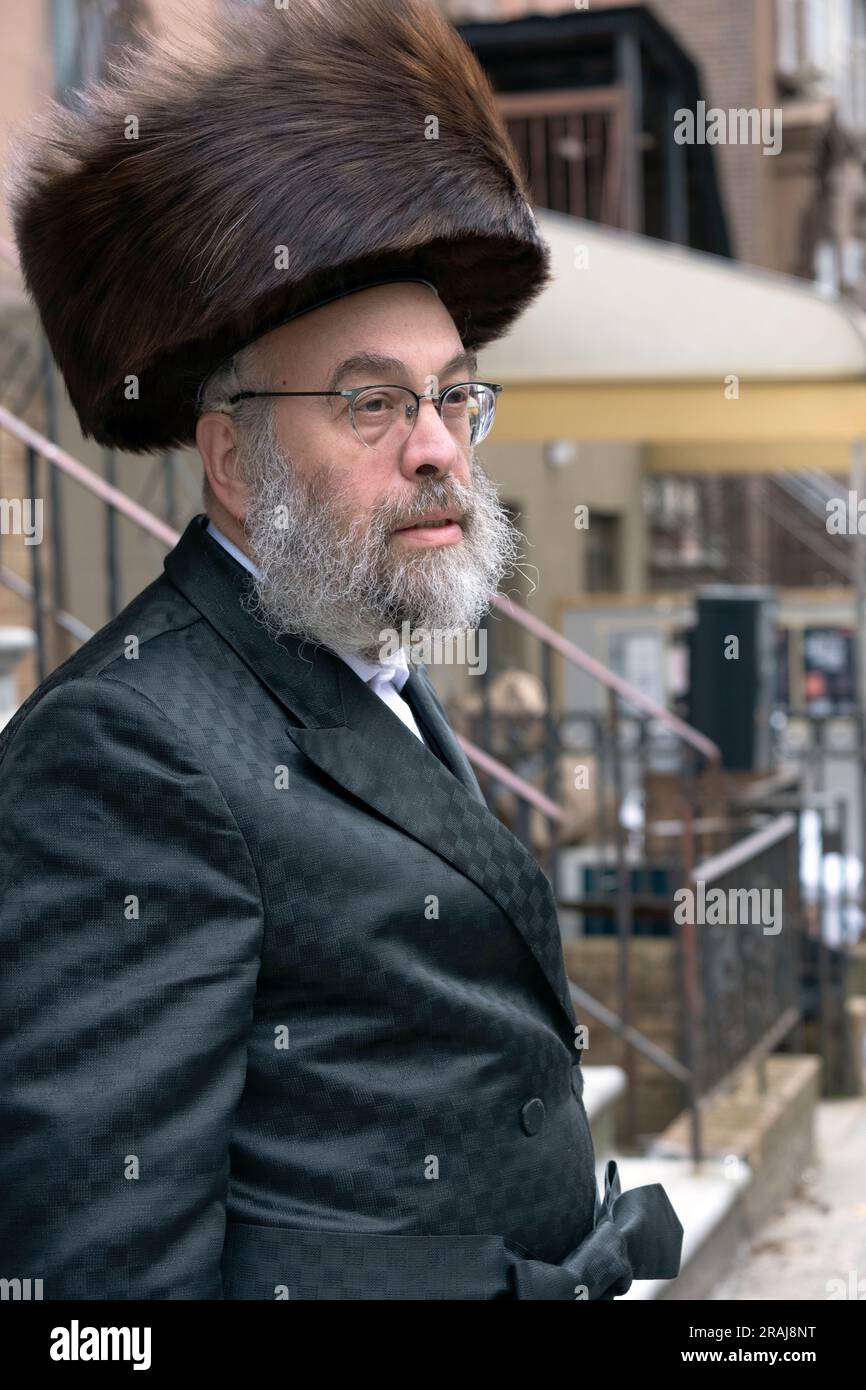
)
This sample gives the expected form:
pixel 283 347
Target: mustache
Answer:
pixel 437 495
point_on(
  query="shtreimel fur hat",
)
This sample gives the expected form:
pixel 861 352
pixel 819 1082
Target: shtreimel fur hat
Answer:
pixel 204 195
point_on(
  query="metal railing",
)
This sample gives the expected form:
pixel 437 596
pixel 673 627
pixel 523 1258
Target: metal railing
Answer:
pixel 741 949
pixel 834 917
pixel 571 146
pixel 828 752
pixel 739 972
pixel 622 753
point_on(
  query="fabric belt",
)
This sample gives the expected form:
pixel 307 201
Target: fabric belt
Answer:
pixel 636 1235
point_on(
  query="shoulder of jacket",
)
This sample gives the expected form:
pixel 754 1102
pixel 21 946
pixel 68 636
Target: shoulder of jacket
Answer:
pixel 103 665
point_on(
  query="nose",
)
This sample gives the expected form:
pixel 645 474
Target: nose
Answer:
pixel 430 448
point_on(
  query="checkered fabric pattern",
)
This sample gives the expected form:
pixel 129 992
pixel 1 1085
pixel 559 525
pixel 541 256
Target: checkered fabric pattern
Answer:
pixel 267 962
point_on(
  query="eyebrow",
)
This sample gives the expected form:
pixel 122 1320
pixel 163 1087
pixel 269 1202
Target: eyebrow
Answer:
pixel 367 362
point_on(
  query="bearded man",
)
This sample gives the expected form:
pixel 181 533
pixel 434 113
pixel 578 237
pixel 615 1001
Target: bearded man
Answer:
pixel 328 495
pixel 289 1015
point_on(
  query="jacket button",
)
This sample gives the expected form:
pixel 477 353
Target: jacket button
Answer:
pixel 532 1115
pixel 577 1081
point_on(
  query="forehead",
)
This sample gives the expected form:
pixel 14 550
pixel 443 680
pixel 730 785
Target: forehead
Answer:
pixel 404 322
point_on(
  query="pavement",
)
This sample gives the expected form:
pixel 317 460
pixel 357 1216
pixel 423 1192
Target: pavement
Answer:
pixel 815 1247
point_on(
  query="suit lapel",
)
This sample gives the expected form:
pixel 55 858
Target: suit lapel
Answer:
pixel 420 692
pixel 357 741
pixel 420 795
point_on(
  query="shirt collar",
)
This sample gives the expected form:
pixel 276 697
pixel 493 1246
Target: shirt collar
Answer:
pixel 395 666
pixel 232 549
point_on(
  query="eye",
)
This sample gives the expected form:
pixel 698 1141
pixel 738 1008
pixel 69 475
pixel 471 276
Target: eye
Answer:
pixel 377 403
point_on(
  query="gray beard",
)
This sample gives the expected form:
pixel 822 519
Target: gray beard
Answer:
pixel 330 577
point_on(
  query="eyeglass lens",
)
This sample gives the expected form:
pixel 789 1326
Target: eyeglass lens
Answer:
pixel 384 416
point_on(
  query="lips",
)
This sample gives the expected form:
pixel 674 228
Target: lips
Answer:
pixel 431 520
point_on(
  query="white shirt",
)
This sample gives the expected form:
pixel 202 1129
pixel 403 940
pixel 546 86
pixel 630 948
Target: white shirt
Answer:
pixel 385 678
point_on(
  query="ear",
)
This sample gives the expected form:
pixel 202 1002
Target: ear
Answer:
pixel 215 441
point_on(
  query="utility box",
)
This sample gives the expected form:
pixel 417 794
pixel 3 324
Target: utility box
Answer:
pixel 732 672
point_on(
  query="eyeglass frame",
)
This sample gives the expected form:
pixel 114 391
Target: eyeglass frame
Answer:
pixel 351 393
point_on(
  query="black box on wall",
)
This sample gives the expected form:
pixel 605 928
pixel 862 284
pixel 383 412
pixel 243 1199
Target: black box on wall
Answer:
pixel 732 677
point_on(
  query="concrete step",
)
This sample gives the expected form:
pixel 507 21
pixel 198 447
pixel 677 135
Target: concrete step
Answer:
pixel 758 1142
pixel 603 1090
pixel 707 1200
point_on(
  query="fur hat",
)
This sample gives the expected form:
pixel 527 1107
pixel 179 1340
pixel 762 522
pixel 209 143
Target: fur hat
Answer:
pixel 203 196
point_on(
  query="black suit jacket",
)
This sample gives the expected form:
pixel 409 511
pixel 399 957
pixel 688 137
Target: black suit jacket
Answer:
pixel 284 1005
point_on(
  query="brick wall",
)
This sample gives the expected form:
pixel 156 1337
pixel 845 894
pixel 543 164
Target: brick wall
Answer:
pixel 733 45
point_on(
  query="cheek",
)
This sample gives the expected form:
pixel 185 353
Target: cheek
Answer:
pixel 350 475
pixel 462 470
pixel 353 482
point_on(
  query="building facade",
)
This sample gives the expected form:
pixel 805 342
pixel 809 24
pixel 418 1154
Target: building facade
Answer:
pixel 591 93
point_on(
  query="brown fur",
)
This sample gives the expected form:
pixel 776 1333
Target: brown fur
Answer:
pixel 302 128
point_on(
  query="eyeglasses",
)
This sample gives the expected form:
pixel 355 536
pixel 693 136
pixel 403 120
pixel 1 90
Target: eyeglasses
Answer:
pixel 383 417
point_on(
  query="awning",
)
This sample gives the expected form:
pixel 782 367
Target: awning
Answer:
pixel 639 340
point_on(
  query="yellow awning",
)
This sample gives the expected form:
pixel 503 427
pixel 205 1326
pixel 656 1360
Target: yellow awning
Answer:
pixel 637 340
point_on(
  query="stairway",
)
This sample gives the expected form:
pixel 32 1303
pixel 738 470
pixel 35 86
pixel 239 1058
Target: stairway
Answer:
pixel 704 1200
pixel 759 1144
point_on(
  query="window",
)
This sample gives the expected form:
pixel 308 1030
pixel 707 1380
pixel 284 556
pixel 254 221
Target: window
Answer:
pixel 808 34
pixel 83 32
pixel 603 545
pixel 852 95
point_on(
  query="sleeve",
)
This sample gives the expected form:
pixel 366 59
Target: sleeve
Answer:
pixel 130 944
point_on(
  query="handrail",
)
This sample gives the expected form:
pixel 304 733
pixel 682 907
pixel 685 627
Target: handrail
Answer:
pixel 510 779
pixel 88 479
pixel 141 517
pixel 744 850
pixel 148 522
pixel 598 671
pixel 588 1004
pixel 169 536
pixel 80 631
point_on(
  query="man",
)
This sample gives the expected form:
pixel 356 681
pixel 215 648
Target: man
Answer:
pixel 289 1016
pixel 328 493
